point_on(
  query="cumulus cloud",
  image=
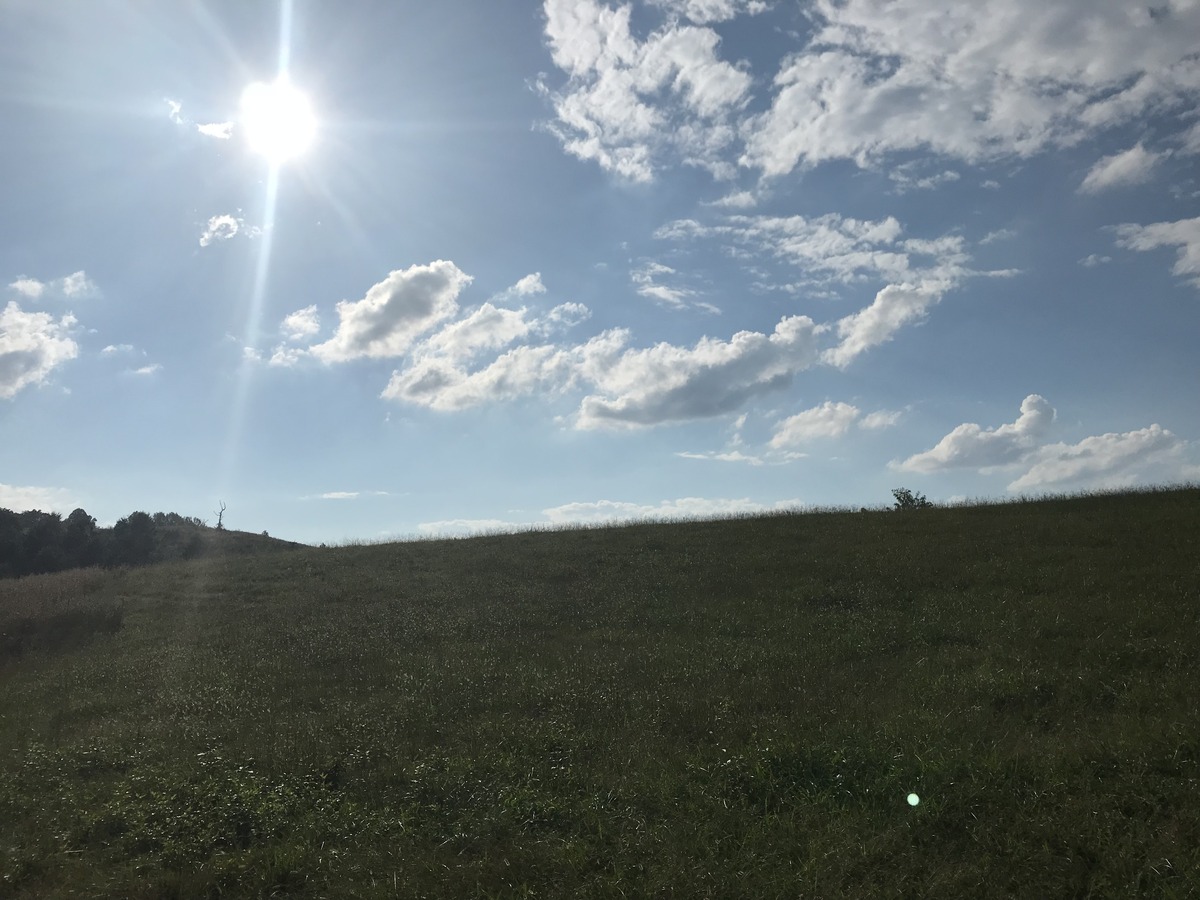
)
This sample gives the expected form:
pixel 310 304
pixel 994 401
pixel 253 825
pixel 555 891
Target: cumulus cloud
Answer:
pixel 1107 460
pixel 893 307
pixel 77 285
pixel 151 369
pixel 32 345
pixel 1133 166
pixel 829 420
pixel 301 324
pixel 1183 234
pixel 29 287
pixel 869 79
pixel 395 312
pixel 971 81
pixel 1094 259
pixel 971 446
pixel 667 383
pixel 23 498
pixel 112 349
pixel 530 284
pixel 628 387
pixel 438 382
pixel 627 101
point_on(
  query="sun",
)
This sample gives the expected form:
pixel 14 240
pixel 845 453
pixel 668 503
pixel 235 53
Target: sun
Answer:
pixel 278 120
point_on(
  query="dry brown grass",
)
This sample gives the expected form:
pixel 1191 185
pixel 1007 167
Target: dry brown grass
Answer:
pixel 58 610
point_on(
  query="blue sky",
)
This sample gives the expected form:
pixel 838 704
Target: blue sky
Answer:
pixel 581 260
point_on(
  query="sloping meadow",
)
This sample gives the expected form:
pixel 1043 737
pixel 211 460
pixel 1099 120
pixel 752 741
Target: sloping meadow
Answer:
pixel 988 701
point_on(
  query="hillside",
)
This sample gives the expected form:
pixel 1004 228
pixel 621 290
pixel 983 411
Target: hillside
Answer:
pixel 738 708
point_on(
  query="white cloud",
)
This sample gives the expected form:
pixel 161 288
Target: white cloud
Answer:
pixel 116 348
pixel 529 285
pixel 1106 460
pixel 303 323
pixel 736 200
pixel 893 307
pixel 1184 234
pixel 630 387
pixel 1133 166
pixel 148 370
pixel 1094 259
pixel 220 130
pixel 220 228
pixel 829 420
pixel 440 383
pixel 644 277
pixel 735 456
pixel 599 511
pixel 29 287
pixel 339 495
pixel 21 499
pixel 76 285
pixel 667 383
pixel 627 102
pixel 1000 234
pixel 704 11
pixel 174 108
pixel 465 526
pixel 32 345
pixel 907 178
pixel 880 419
pixel 972 81
pixel 970 446
pixel 395 312
pixel 833 248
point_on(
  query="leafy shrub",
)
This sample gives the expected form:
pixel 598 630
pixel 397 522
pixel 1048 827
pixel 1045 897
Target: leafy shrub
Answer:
pixel 906 499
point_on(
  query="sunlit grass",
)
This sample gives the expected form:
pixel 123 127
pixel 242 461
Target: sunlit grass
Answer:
pixel 734 708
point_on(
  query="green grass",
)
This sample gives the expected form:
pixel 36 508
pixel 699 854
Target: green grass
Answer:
pixel 721 709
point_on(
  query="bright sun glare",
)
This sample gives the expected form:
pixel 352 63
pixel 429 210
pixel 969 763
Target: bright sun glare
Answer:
pixel 278 119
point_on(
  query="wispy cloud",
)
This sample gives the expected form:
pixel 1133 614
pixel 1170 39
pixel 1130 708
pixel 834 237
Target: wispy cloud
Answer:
pixel 23 498
pixel 1133 166
pixel 1184 235
pixel 220 130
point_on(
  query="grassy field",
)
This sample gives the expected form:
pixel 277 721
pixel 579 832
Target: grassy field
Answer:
pixel 721 709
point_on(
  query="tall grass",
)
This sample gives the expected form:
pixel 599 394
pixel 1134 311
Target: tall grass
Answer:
pixel 722 709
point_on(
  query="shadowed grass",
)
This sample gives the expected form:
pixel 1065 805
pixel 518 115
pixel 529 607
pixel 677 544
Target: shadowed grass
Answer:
pixel 726 709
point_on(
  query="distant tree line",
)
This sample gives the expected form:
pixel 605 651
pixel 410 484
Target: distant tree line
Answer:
pixel 35 542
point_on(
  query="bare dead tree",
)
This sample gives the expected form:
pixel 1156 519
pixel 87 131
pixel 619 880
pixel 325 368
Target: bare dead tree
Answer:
pixel 220 514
